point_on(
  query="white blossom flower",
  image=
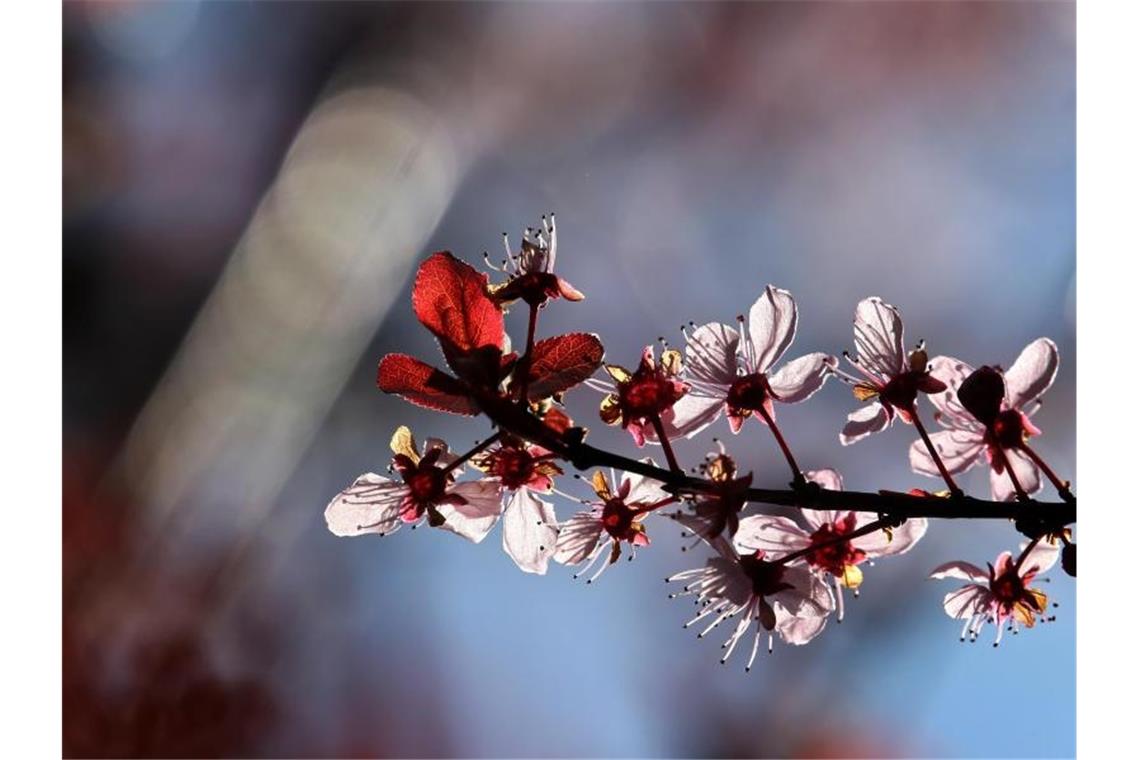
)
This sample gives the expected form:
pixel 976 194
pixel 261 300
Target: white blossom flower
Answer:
pixel 889 378
pixel 766 597
pixel 427 488
pixel 615 518
pixel 1001 595
pixel 968 441
pixel 730 370
pixel 530 526
pixel 820 545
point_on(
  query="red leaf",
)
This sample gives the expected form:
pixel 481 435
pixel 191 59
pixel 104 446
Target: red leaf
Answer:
pixel 450 299
pixel 559 363
pixel 423 385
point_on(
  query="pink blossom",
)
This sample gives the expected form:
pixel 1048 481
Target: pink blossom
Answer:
pixel 839 560
pixel 888 377
pixel 530 526
pixel 780 599
pixel 730 370
pixel 1002 595
pixel 635 399
pixel 427 488
pixel 968 441
pixel 615 518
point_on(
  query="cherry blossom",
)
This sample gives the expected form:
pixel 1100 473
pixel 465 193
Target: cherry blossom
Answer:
pixel 615 518
pixel 1002 594
pixel 717 511
pixel 781 599
pixel 530 273
pixel 1005 403
pixel 636 399
pixel 427 488
pixel 730 370
pixel 888 377
pixel 820 545
pixel 530 526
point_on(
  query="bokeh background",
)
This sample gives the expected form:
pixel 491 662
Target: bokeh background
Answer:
pixel 247 189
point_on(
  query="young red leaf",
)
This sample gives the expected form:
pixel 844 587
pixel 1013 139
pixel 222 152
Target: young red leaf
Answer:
pixel 450 299
pixel 559 363
pixel 423 385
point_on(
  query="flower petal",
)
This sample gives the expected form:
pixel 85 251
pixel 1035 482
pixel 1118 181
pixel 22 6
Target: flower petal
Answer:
pixel 879 337
pixel 530 531
pixel 951 413
pixel 1040 558
pixel 642 489
pixel 808 596
pixel 959 450
pixel 798 629
pixel 964 571
pixel 771 326
pixel 474 519
pixel 710 353
pixel 966 601
pixel 689 416
pixel 773 535
pixel 797 380
pixel 578 538
pixel 827 478
pixel 1032 373
pixel 868 419
pixel 370 505
pixel 1001 486
pixel 899 540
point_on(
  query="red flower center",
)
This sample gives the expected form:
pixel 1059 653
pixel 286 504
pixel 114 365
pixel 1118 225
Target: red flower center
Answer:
pixel 835 557
pixel 617 519
pixel 1008 588
pixel 647 393
pixel 767 577
pixel 749 392
pixel 427 485
pixel 513 466
pixel 1008 429
pixel 902 390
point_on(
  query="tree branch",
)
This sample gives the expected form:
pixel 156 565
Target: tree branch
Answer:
pixel 1043 515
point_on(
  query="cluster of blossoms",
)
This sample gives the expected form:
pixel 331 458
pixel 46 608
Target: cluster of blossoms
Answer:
pixel 773 574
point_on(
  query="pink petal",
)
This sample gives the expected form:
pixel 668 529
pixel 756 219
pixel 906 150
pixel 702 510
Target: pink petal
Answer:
pixel 797 380
pixel 710 353
pixel 530 531
pixel 473 519
pixel 1041 557
pixel 879 336
pixel 771 326
pixel 370 505
pixel 1001 487
pixel 951 414
pixel 773 535
pixel 795 629
pixel 959 450
pixel 689 416
pixel 966 601
pixel 1032 373
pixel 959 570
pixel 900 540
pixel 868 419
pixel 578 538
pixel 643 490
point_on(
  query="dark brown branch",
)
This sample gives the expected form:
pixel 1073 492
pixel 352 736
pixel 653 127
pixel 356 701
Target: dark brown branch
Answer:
pixel 1042 516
